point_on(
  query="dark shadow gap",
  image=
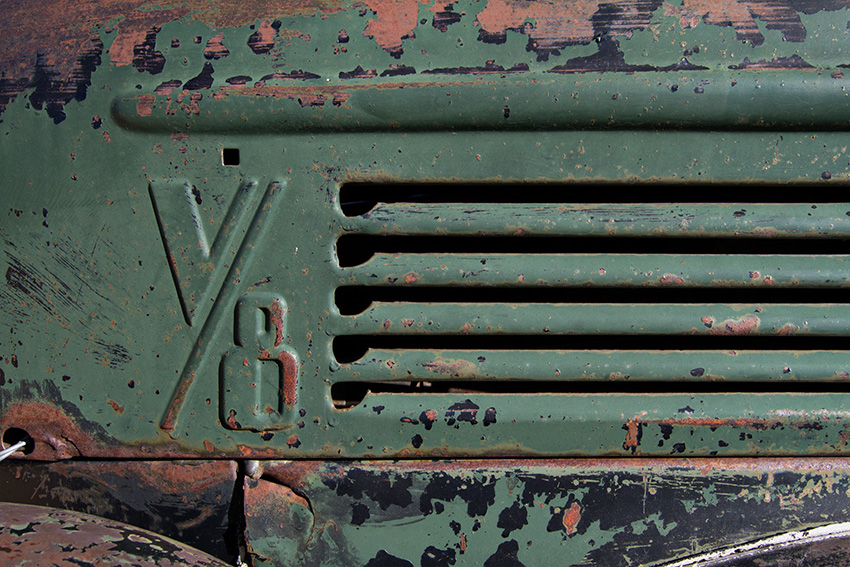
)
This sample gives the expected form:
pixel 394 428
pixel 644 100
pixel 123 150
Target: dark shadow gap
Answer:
pixel 349 394
pixel 357 249
pixel 359 198
pixel 348 349
pixel 352 300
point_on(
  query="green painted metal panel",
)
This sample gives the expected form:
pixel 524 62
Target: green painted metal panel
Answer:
pixel 175 224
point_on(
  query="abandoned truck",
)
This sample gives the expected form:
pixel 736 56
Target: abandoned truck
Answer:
pixel 425 283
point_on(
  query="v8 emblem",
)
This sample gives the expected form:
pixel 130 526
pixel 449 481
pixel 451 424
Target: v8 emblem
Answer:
pixel 259 376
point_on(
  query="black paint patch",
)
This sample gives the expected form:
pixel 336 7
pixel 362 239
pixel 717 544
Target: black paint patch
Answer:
pixel 609 59
pixel 775 64
pixel 358 73
pixel 433 557
pixel 2 377
pixel 384 559
pixel 505 556
pixel 426 419
pixel 238 80
pixel 52 92
pixel 479 495
pixel 203 81
pixel 378 409
pixel 465 411
pixel 167 86
pixel 678 448
pixel 359 513
pixel 489 68
pixel 416 441
pixel 145 55
pixel 267 436
pixel 291 76
pixel 512 518
pixel 698 371
pixel 96 121
pixel 398 70
pixel 378 487
pixel 489 416
pixel 445 17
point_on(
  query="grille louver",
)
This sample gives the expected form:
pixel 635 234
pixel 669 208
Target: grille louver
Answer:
pixel 517 293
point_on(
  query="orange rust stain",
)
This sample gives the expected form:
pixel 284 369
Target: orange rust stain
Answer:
pixel 209 447
pixel 670 279
pixel 572 517
pixel 741 326
pixel 463 542
pixel 276 316
pixel 121 52
pixel 387 323
pixel 143 106
pixel 290 378
pixel 556 24
pixel 632 435
pixel 265 35
pixel 215 48
pixel 788 329
pixel 410 278
pixel 466 328
pixel 396 20
pixel 407 322
pixel 707 321
pixel 114 405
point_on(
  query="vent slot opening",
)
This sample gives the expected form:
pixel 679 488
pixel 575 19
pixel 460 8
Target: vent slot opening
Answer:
pixel 357 249
pixel 346 395
pixel 353 348
pixel 353 300
pixel 357 199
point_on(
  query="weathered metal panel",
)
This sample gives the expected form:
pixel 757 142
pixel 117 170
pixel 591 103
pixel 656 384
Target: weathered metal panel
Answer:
pixel 173 227
pixel 35 535
pixel 584 512
pixel 190 501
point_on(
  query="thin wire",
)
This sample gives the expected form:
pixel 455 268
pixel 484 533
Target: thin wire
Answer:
pixel 13 449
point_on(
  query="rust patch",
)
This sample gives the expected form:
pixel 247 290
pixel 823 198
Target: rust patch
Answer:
pixel 276 317
pixel 668 279
pixel 452 367
pixel 290 378
pixel 740 326
pixel 114 405
pixel 572 517
pixel 143 106
pixel 395 22
pixel 788 329
pixel 262 40
pixel 634 432
pixel 215 48
pixel 66 539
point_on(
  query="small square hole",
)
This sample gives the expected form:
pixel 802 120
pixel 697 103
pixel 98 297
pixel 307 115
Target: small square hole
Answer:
pixel 230 156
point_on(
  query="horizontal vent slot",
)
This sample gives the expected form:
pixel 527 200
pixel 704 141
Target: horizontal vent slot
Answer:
pixel 349 349
pixel 356 249
pixel 358 199
pixel 353 300
pixel 346 395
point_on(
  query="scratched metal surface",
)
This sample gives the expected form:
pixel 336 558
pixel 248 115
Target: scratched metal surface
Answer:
pixel 157 303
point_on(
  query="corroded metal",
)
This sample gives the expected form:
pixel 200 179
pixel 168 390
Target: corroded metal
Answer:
pixel 524 512
pixel 601 229
pixel 188 501
pixel 172 280
pixel 34 535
